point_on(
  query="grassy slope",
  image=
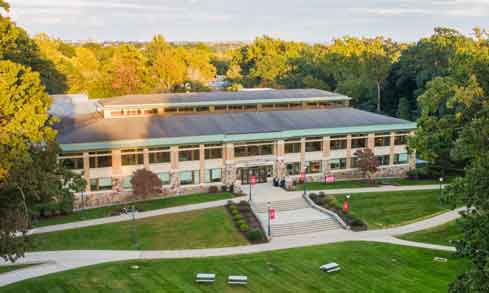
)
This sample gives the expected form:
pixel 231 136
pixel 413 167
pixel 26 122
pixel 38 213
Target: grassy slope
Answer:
pixel 197 229
pixel 437 235
pixel 387 209
pixel 364 183
pixel 366 267
pixel 9 268
pixel 144 206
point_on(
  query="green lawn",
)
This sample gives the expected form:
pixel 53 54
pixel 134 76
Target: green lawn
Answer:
pixel 363 183
pixel 9 268
pixel 144 206
pixel 438 235
pixel 196 229
pixel 387 209
pixel 366 267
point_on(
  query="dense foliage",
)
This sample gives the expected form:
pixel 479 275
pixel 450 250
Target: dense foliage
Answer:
pixel 145 183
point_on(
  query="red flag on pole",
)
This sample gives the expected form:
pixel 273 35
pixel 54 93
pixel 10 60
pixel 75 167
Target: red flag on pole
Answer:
pixel 272 214
pixel 346 206
pixel 253 180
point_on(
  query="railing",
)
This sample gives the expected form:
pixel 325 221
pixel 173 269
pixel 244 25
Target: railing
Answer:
pixel 326 211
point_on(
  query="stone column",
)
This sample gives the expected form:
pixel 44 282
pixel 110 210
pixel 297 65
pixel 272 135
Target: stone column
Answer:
pixel 279 159
pixel 303 153
pixel 371 141
pixel 116 163
pixel 174 158
pixel 348 151
pixel 146 158
pixel 391 148
pixel 202 163
pixel 326 154
pixel 229 170
pixel 86 170
pixel 412 156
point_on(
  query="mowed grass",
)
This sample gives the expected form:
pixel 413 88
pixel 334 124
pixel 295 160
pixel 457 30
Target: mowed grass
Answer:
pixel 148 205
pixel 388 209
pixel 9 268
pixel 196 229
pixel 343 184
pixel 365 267
pixel 442 234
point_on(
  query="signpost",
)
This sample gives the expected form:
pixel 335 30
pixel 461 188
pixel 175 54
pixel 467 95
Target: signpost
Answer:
pixel 270 209
pixel 303 178
pixel 346 204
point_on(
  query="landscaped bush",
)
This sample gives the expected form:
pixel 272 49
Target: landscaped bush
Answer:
pixel 331 203
pixel 145 183
pixel 254 235
pixel 246 221
pixel 213 189
pixel 244 227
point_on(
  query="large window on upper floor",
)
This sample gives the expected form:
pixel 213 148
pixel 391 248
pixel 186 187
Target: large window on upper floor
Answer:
pixel 292 146
pixel 401 138
pixel 72 161
pixel 188 153
pixel 359 141
pixel 213 151
pixel 100 159
pixel 382 139
pixel 131 157
pixel 159 155
pixel 338 142
pixel 253 149
pixel 401 158
pixel 314 144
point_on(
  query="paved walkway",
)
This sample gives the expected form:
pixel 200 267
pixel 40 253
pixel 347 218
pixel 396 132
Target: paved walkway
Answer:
pixel 58 261
pixel 260 193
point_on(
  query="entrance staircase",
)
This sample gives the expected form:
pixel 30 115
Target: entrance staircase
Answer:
pixel 294 217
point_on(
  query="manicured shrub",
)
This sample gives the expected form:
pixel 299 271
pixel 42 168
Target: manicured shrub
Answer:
pixel 240 222
pixel 244 227
pixel 254 235
pixel 213 189
pixel 224 188
pixel 237 217
pixel 330 200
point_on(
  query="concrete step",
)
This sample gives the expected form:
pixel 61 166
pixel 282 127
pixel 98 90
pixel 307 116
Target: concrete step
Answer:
pixel 282 205
pixel 304 227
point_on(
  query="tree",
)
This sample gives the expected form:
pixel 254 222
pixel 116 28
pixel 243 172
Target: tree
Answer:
pixel 24 114
pixel 404 109
pixel 145 183
pixel 367 163
pixel 168 71
pixel 4 5
pixel 127 71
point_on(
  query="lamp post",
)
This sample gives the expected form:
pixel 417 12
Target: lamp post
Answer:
pixel 249 181
pixel 135 233
pixel 441 189
pixel 268 216
pixel 305 180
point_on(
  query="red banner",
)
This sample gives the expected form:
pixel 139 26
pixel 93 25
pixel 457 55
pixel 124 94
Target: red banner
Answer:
pixel 271 211
pixel 346 206
pixel 253 180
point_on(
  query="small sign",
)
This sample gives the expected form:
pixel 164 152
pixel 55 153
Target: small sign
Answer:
pixel 253 180
pixel 272 213
pixel 303 175
pixel 330 179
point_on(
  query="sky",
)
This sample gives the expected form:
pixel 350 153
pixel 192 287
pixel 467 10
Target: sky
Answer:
pixel 229 20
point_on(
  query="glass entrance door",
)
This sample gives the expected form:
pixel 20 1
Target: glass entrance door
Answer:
pixel 261 172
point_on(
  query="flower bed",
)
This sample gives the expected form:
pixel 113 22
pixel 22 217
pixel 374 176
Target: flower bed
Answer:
pixel 329 202
pixel 246 221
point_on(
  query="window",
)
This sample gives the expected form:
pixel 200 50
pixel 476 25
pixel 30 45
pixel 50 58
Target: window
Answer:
pixel 400 158
pixel 382 139
pixel 354 162
pixel 188 153
pixel 268 106
pixel 220 108
pixel 235 107
pixel 213 151
pixel 126 182
pixel 164 177
pixel 337 164
pixel 212 175
pixel 202 109
pixel 117 113
pixel 189 177
pixel 295 105
pixel 251 107
pixel 292 147
pixel 133 112
pixel 170 110
pixel 325 105
pixel 150 111
pixel 314 144
pixel 101 159
pixel 358 141
pixel 73 161
pixel 98 184
pixel 313 167
pixel 338 142
pixel 281 106
pixel 383 160
pixel 312 104
pixel 132 157
pixel 293 168
pixel 159 155
pixel 254 149
pixel 400 140
pixel 185 110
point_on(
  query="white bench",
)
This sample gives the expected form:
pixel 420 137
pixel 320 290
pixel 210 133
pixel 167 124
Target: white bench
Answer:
pixel 238 280
pixel 205 278
pixel 330 267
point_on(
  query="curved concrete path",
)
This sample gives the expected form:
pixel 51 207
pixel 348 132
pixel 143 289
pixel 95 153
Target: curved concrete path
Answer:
pixel 58 261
